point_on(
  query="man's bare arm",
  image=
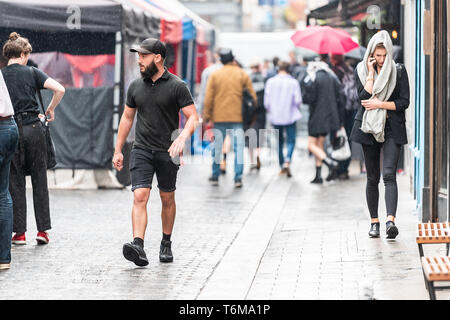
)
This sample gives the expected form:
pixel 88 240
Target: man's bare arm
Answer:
pixel 192 121
pixel 126 122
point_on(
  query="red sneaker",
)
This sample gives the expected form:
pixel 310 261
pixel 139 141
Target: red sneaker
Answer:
pixel 19 238
pixel 42 238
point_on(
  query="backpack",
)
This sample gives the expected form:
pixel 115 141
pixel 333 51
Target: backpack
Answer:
pixel 248 107
pixel 352 101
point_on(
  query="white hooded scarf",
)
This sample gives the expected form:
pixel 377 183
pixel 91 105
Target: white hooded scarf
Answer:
pixel 373 121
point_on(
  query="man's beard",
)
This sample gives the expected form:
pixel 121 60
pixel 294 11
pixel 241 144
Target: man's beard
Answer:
pixel 149 71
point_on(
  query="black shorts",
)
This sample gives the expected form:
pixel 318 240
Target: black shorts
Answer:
pixel 144 164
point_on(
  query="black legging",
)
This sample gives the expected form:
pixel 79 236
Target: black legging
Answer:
pixel 391 153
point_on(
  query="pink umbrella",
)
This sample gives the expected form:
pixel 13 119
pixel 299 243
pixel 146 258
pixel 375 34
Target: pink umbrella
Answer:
pixel 324 39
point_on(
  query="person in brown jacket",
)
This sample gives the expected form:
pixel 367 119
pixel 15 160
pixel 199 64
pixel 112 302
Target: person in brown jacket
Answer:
pixel 223 107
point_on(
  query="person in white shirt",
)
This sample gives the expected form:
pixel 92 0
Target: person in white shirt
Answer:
pixel 9 136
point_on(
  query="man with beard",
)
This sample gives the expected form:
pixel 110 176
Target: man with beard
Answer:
pixel 156 97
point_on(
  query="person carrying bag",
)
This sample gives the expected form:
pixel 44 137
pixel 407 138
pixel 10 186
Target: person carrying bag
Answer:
pixel 340 149
pixel 31 156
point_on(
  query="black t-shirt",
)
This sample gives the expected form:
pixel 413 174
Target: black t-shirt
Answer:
pixel 158 105
pixel 22 87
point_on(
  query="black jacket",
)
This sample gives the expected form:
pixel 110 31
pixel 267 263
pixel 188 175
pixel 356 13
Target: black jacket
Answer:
pixel 396 118
pixel 326 103
pixel 259 121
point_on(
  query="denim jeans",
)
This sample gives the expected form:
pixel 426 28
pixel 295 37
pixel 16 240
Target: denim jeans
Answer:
pixel 291 133
pixel 8 144
pixel 236 133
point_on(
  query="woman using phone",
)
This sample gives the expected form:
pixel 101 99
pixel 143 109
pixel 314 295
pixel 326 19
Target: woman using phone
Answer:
pixel 383 89
pixel 30 158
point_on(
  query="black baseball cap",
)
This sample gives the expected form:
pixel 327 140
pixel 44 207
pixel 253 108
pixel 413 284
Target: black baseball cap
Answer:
pixel 150 45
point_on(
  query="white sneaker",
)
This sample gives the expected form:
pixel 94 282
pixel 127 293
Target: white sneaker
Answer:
pixel 4 266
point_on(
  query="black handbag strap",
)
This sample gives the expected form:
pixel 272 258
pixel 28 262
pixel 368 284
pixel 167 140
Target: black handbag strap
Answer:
pixel 38 90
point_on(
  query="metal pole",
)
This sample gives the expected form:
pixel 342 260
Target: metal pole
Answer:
pixel 117 85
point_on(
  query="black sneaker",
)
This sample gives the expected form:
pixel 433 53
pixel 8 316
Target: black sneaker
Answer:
pixel 391 230
pixel 317 180
pixel 332 175
pixel 165 251
pixel 344 176
pixel 213 181
pixel 135 253
pixel 374 230
pixel 238 184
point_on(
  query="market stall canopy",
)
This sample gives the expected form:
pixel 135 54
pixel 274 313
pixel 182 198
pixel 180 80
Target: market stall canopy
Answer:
pixel 171 25
pixel 79 27
pixel 193 24
pixel 343 12
pixel 138 22
pixel 61 15
pixel 327 11
pixel 188 29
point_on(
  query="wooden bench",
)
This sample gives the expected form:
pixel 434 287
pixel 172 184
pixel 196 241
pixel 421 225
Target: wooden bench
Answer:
pixel 429 233
pixel 435 269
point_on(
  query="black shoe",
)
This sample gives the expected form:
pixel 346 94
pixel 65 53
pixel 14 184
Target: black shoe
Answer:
pixel 213 181
pixel 374 230
pixel 135 253
pixel 165 251
pixel 288 172
pixel 238 184
pixel 317 180
pixel 391 230
pixel 332 175
pixel 257 166
pixel 343 176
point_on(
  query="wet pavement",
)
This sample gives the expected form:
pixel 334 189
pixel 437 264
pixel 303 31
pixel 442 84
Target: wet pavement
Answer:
pixel 276 238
